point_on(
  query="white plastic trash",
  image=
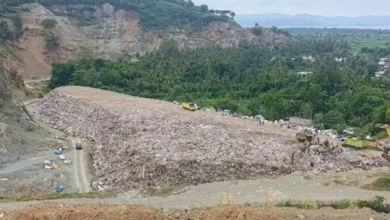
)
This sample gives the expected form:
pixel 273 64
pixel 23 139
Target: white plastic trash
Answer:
pixel 47 162
pixel 48 167
pixel 62 157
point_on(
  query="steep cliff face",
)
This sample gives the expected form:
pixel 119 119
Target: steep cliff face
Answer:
pixel 114 32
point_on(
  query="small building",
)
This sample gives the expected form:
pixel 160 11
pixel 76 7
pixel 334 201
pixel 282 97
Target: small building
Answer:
pixel 305 75
pixel 379 74
pixel 309 58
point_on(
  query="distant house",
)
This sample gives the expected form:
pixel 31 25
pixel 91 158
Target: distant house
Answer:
pixel 379 74
pixel 383 61
pixel 337 59
pixel 309 58
pixel 304 75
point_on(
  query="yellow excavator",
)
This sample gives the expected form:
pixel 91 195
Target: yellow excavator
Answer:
pixel 383 146
pixel 305 136
pixel 379 145
pixel 189 106
pixel 385 153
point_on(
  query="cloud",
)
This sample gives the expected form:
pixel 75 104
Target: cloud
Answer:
pixel 320 7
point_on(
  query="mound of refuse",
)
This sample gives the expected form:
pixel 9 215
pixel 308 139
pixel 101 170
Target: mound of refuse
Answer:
pixel 139 147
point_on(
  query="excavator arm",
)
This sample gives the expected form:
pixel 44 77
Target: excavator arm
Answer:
pixel 385 153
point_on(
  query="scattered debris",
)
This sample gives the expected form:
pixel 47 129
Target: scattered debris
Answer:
pixel 58 151
pixel 59 188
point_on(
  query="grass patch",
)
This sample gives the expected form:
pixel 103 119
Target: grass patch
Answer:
pixel 380 184
pixel 30 128
pixel 30 196
pixel 161 192
pixel 377 204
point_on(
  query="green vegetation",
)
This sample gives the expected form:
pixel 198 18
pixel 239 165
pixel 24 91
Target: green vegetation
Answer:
pixel 29 196
pixel 377 204
pixel 5 31
pixel 17 20
pixel 161 192
pixel 30 128
pixel 381 184
pixel 250 80
pixel 158 14
pixel 49 23
pixel 257 31
pixel 3 86
pixel 52 42
pixel 12 6
pixel 357 38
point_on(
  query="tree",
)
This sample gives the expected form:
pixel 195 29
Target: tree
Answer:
pixel 334 119
pixel 190 3
pixel 62 74
pixel 5 32
pixel 307 111
pixel 204 8
pixel 18 23
pixel 233 14
pixel 258 31
pixel 49 23
pixel 256 24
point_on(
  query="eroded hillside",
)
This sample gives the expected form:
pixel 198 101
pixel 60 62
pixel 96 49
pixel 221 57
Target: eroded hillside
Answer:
pixel 113 33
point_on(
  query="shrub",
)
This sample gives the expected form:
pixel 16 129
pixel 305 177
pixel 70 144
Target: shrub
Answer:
pixel 49 23
pixel 52 42
pixel 258 31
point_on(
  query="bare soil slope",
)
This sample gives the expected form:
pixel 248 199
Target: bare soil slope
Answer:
pixel 55 211
pixel 143 142
pixel 115 33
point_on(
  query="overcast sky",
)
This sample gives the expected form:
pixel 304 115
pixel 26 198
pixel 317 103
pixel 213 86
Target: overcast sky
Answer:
pixel 319 7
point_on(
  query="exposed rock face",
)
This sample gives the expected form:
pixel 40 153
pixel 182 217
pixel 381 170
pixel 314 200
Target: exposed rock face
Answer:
pixel 119 31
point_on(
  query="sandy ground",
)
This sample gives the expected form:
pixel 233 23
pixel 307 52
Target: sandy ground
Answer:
pixel 55 211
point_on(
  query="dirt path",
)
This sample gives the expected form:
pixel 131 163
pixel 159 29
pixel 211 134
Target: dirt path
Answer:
pixel 296 186
pixel 26 163
pixel 79 168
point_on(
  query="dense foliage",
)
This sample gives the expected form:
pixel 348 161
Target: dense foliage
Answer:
pixel 249 79
pixel 153 13
pixel 5 31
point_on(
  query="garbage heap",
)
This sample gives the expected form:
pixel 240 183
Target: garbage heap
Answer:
pixel 141 147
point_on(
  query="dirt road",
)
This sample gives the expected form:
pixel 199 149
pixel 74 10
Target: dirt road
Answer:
pixel 79 165
pixel 296 187
pixel 26 163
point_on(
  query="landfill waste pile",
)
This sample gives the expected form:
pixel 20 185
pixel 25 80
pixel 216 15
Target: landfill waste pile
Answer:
pixel 140 147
